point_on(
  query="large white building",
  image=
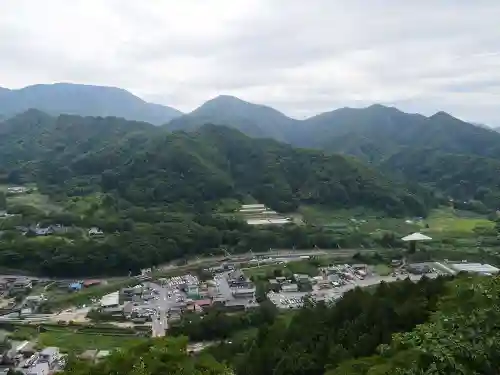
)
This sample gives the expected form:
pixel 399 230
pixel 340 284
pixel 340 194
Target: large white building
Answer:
pixel 474 268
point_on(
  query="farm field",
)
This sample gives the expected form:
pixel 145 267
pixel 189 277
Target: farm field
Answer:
pixel 69 341
pixel 455 221
pixel 32 198
pixel 288 269
pixel 440 221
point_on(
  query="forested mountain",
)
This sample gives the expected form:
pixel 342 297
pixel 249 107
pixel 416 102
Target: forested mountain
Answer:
pixel 459 159
pixel 84 100
pixel 148 166
pixel 30 140
pixel 376 132
pixel 252 119
pixel 157 195
pixel 463 177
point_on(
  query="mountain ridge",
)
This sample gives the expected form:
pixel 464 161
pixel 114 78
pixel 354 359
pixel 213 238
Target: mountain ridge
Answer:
pixel 83 100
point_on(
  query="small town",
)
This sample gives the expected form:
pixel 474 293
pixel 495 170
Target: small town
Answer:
pixel 148 305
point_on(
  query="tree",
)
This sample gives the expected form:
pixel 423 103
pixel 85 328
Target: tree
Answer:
pixel 154 357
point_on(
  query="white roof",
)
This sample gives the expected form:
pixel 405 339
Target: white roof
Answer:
pixel 110 299
pixel 475 267
pixel 416 237
pixel 246 206
pixel 268 221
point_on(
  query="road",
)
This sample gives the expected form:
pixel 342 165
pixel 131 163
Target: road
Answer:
pixel 163 303
pixel 274 253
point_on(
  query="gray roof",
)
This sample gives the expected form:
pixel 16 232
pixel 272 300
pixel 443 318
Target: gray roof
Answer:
pixel 50 350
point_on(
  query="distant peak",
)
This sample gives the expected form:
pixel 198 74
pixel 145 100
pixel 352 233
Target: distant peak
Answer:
pixel 444 116
pixel 227 98
pixel 378 106
pixel 441 114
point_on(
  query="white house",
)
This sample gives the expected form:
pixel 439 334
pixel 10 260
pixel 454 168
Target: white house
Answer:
pixel 94 231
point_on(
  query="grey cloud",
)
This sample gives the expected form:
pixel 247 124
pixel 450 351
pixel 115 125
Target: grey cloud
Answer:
pixel 302 57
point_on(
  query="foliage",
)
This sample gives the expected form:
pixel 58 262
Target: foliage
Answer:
pixel 76 156
pixel 461 338
pixel 319 336
pixel 218 325
pixel 154 357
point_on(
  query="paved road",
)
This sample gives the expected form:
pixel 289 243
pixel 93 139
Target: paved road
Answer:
pixel 274 253
pixel 163 304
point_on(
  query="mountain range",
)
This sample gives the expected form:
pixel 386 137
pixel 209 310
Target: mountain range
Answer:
pixel 84 100
pixel 457 159
pixel 149 166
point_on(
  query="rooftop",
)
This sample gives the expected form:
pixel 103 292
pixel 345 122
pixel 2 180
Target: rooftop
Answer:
pixel 416 237
pixel 475 267
pixel 50 350
pixel 110 299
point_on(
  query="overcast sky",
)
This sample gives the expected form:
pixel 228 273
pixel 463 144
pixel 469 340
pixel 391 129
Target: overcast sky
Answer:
pixel 301 57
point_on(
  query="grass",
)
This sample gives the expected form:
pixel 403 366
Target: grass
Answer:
pixel 69 341
pixel 34 199
pixel 444 220
pixel 382 269
pixel 366 221
pixel 85 296
pixel 453 221
pixel 287 269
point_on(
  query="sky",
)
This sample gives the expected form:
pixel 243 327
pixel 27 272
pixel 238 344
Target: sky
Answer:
pixel 300 57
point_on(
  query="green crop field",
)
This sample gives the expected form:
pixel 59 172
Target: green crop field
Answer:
pixel 440 221
pixel 287 269
pixel 59 301
pixel 450 220
pixel 69 341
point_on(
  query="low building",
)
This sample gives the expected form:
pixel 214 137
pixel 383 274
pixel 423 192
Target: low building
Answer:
pixel 75 287
pixel 110 301
pixel 26 349
pixel 484 269
pixel 21 285
pixel 289 288
pixel 89 283
pixel 418 269
pixel 49 355
pixel 128 294
pixel 244 292
pixel 17 190
pixel 94 231
pixel 301 277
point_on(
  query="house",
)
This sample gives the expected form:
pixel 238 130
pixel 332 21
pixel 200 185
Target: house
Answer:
pixel 110 302
pixel 75 287
pixel 20 285
pixel 290 288
pixel 89 283
pixel 49 355
pixel 128 294
pixel 17 190
pixel 94 231
pixel 244 292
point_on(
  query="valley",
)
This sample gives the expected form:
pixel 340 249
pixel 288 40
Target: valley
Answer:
pixel 121 234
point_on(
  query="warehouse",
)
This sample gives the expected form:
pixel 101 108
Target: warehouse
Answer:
pixel 484 269
pixel 110 301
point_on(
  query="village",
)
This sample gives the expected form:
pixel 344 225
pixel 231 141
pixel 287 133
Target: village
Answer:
pixel 147 305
